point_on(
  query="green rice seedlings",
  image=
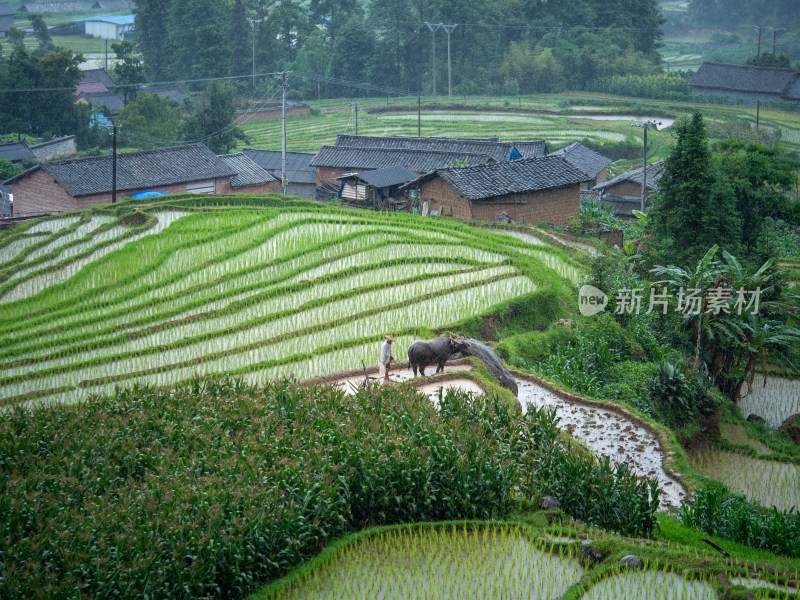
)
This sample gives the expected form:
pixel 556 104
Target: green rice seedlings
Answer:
pixel 649 583
pixel 767 482
pixel 461 562
pixel 53 225
pixel 775 401
pixel 760 586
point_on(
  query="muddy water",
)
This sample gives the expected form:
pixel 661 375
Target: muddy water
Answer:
pixel 608 434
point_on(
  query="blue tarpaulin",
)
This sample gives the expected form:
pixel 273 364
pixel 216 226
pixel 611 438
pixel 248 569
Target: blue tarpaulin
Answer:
pixel 149 194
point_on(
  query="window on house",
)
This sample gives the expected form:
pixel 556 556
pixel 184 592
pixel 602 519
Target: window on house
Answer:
pixel 202 187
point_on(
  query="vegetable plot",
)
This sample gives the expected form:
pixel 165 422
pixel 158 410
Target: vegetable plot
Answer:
pixel 249 292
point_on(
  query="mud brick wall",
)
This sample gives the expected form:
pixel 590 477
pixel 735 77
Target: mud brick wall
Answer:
pixel 548 206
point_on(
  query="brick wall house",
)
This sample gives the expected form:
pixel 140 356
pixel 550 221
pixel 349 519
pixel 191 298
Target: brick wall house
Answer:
pixel 60 186
pixel 528 191
pixel 624 191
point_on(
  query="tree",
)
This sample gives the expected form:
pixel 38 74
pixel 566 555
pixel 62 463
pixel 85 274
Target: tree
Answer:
pixel 130 70
pixel 212 120
pixel 42 34
pixel 353 53
pixel 48 110
pixel 8 169
pixel 150 121
pixel 687 214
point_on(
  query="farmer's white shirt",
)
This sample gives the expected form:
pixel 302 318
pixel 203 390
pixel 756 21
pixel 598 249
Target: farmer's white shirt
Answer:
pixel 386 353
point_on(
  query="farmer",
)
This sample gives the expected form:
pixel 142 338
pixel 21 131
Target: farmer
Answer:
pixel 386 358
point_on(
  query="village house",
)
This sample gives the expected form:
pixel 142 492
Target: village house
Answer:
pixel 377 190
pixel 16 152
pixel 59 186
pixel 45 7
pixel 301 177
pixel 99 88
pixel 109 27
pixel 746 83
pixel 114 5
pixel 624 191
pixel 6 18
pixel 587 160
pixel 532 191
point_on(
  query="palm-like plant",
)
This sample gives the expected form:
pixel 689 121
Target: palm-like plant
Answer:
pixel 734 343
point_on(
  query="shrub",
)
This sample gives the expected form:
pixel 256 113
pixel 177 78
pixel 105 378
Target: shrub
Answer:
pixel 718 512
pixel 527 349
pixel 629 382
pixel 678 398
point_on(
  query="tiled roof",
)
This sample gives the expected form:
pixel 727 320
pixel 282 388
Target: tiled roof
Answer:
pixel 91 87
pixel 114 4
pixel 298 169
pixel 42 7
pixel 793 91
pixel 174 92
pixel 247 172
pixel 743 78
pixel 100 75
pixel 654 173
pixel 515 177
pixel 381 178
pixel 136 170
pixel 588 161
pixel 531 149
pixel 418 161
pixel 15 152
pixel 114 102
pixel 499 151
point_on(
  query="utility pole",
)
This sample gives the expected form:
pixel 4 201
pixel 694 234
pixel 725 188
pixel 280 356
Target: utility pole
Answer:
pixel 114 165
pixel 775 31
pixel 253 23
pixel 448 29
pixel 283 135
pixel 645 125
pixel 356 105
pixel 106 54
pixel 433 27
pixel 419 114
pixel 758 29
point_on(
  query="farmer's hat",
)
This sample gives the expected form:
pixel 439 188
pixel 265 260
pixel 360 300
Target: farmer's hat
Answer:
pixel 390 338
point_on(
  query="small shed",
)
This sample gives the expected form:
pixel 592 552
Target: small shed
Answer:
pixel 378 189
pixel 16 152
pixel 624 192
pixel 6 18
pixel 107 27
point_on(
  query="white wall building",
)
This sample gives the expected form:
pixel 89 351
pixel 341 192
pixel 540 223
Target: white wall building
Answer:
pixel 108 28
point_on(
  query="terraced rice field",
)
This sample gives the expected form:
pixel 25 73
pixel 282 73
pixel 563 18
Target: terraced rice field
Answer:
pixel 767 482
pixel 775 401
pixel 447 562
pixel 91 302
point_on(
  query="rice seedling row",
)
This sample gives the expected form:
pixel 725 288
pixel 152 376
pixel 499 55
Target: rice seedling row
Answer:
pixel 767 482
pixel 267 318
pixel 775 401
pixel 430 313
pixel 650 583
pixel 441 562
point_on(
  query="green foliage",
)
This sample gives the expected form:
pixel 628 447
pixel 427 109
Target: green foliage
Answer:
pixel 8 169
pixel 129 69
pixel 629 383
pixel 678 398
pixel 42 113
pixel 149 121
pixel 212 120
pixel 718 512
pixel 526 349
pixel 672 86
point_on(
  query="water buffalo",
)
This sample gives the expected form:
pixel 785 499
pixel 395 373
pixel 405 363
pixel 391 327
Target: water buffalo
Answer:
pixel 428 352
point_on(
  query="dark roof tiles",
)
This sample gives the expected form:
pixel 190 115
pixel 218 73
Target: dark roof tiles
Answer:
pixel 587 160
pixel 498 150
pixel 419 161
pixel 247 172
pixel 654 172
pixel 138 170
pixel 389 176
pixel 298 169
pixel 743 78
pixel 514 177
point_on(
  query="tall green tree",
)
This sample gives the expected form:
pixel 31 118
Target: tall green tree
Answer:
pixel 150 121
pixel 129 70
pixel 212 121
pixel 687 215
pixel 48 109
